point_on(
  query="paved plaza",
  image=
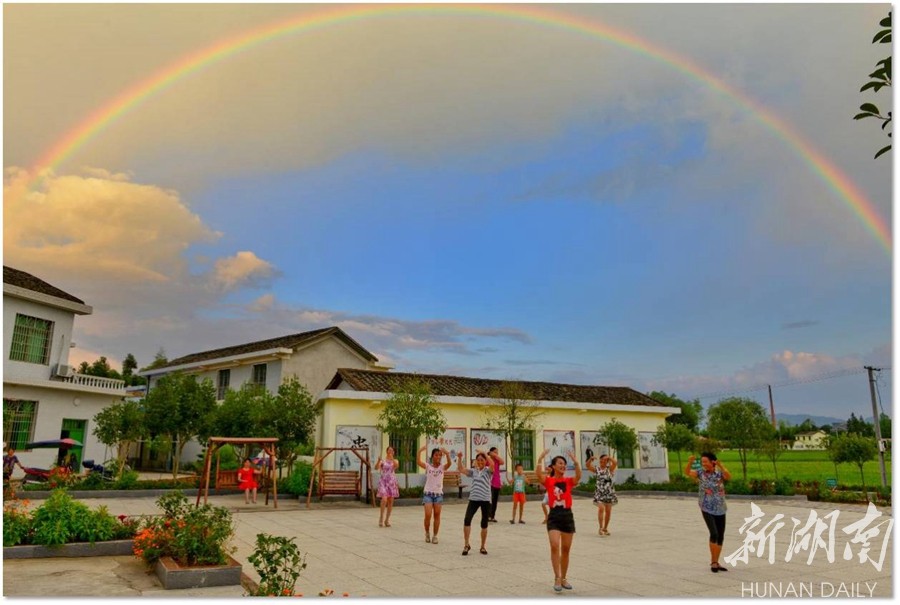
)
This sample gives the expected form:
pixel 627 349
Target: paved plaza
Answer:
pixel 658 548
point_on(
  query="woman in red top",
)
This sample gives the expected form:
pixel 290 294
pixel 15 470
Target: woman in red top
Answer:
pixel 560 521
pixel 247 481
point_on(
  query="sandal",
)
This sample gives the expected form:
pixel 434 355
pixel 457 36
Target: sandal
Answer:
pixel 434 540
pixel 387 524
pixel 720 568
pixel 556 586
pixel 565 584
pixel 714 567
pixel 427 538
pixel 466 549
pixel 483 551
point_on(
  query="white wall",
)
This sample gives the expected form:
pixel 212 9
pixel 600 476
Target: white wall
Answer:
pixel 63 322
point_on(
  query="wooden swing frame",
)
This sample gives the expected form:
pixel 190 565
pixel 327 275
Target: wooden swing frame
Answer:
pixel 213 446
pixel 322 453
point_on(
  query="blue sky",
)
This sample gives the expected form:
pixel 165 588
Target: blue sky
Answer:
pixel 467 196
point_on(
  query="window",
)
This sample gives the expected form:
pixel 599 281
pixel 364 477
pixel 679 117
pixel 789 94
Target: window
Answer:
pixel 31 340
pixel 18 422
pixel 224 381
pixel 259 375
pixel 523 446
pixel 406 466
pixel 625 459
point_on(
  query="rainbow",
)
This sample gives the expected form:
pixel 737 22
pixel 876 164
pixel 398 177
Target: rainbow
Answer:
pixel 97 121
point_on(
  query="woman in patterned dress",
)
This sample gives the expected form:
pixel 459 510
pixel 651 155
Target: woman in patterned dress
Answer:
pixel 387 486
pixel 711 478
pixel 605 492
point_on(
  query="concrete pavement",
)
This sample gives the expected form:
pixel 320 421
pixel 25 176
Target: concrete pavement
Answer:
pixel 658 548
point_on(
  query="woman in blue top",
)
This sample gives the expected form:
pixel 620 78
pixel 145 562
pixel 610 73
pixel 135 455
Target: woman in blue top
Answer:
pixel 711 478
pixel 479 496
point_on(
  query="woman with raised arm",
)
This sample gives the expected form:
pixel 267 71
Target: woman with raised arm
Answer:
pixel 560 521
pixel 434 489
pixel 711 479
pixel 479 496
pixel 605 491
pixel 388 489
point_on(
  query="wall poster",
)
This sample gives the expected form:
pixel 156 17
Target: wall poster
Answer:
pixel 355 436
pixel 560 443
pixel 591 445
pixel 485 439
pixel 652 456
pixel 453 440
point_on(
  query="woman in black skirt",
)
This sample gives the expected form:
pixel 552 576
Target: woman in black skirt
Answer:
pixel 560 521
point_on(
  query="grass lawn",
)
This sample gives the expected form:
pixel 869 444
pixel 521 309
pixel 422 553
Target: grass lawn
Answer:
pixel 811 465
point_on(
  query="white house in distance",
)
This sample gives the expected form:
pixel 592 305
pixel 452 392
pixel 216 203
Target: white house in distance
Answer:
pixel 312 357
pixel 43 397
pixel 810 440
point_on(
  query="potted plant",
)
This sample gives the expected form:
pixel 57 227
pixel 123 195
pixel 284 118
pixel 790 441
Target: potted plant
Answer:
pixel 187 546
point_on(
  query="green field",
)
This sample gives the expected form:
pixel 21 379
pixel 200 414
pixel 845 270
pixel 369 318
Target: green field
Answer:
pixel 797 465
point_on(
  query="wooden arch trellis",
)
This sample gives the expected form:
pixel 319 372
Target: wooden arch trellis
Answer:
pixel 324 452
pixel 268 446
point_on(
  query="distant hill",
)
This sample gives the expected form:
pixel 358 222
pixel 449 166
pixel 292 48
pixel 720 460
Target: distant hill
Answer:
pixel 796 419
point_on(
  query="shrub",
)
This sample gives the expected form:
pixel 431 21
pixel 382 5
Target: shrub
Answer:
pixel 62 520
pixel 278 562
pixel 128 480
pixel 762 487
pixel 297 483
pixel 17 522
pixel 190 535
pixel 784 487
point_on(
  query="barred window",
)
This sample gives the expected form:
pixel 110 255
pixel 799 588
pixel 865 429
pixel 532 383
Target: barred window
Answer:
pixel 31 339
pixel 523 446
pixel 405 466
pixel 259 374
pixel 224 381
pixel 18 422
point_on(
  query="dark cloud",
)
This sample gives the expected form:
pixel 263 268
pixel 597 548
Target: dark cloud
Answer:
pixel 806 323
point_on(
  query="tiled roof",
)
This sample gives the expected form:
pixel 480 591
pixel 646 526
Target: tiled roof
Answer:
pixel 286 342
pixel 14 277
pixel 460 386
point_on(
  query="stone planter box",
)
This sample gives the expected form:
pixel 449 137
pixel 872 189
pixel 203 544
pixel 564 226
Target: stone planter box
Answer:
pixel 174 576
pixel 111 548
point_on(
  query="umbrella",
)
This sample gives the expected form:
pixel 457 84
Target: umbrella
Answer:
pixel 54 443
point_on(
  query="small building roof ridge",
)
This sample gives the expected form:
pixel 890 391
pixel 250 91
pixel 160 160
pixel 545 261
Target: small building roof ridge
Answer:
pixel 23 279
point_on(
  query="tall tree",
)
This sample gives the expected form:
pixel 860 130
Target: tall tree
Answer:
pixel 179 407
pixel 691 414
pixel 880 78
pixel 619 437
pixel 740 422
pixel 408 414
pixel 290 416
pixel 512 412
pixel 159 360
pixel 675 438
pixel 770 447
pixel 853 449
pixel 120 426
pixel 860 426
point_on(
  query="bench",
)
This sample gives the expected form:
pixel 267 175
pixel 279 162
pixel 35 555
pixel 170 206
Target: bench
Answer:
pixel 226 480
pixel 339 483
pixel 453 480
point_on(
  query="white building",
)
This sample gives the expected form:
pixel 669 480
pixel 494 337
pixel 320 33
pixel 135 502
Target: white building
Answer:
pixel 810 440
pixel 43 398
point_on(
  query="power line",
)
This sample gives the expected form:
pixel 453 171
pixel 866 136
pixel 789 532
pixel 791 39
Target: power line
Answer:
pixel 766 385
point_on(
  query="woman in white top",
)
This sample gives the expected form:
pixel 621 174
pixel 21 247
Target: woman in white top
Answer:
pixel 434 489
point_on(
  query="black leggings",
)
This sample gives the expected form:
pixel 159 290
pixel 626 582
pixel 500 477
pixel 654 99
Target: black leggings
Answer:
pixel 470 512
pixel 495 497
pixel 716 525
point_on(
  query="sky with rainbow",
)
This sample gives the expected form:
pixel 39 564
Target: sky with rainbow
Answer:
pixel 667 197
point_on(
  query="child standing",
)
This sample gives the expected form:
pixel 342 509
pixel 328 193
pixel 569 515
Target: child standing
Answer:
pixel 247 480
pixel 518 493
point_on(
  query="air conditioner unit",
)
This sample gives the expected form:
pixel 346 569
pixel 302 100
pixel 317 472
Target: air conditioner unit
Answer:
pixel 64 371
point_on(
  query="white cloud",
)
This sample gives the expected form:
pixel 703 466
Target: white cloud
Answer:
pixel 244 268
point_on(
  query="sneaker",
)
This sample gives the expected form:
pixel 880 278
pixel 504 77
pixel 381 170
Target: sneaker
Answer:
pixel 428 538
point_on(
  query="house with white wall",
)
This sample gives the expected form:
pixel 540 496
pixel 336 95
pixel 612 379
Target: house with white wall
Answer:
pixel 312 357
pixel 810 440
pixel 43 397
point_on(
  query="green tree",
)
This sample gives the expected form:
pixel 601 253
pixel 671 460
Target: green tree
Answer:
pixel 409 413
pixel 853 449
pixel 860 426
pixel 880 78
pixel 885 422
pixel 675 438
pixel 239 412
pixel 120 426
pixel 691 414
pixel 741 423
pixel 129 365
pixel 159 360
pixel 179 408
pixel 513 411
pixel 770 447
pixel 619 437
pixel 290 416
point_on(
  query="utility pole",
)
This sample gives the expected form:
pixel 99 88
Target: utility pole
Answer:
pixel 876 417
pixel 772 407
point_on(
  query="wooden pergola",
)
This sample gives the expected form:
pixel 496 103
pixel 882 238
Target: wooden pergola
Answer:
pixel 212 447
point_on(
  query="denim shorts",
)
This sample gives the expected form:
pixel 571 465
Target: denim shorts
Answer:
pixel 432 498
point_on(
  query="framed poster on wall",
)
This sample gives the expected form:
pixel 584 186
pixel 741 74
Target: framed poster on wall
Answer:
pixel 349 435
pixel 453 440
pixel 652 456
pixel 591 445
pixel 485 439
pixel 560 443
